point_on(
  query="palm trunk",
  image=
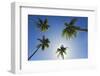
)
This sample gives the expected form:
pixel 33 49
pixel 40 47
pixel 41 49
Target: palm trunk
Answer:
pixel 81 29
pixel 33 53
pixel 85 30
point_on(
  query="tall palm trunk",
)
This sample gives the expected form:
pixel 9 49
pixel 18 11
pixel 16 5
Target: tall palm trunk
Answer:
pixel 83 29
pixel 33 53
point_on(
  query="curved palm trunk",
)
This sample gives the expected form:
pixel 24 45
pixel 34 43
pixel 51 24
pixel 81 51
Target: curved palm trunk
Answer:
pixel 83 29
pixel 33 53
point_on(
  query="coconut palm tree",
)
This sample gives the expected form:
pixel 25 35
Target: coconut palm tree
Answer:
pixel 44 43
pixel 71 30
pixel 61 51
pixel 43 25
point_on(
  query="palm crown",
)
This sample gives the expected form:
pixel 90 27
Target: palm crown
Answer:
pixel 44 43
pixel 61 51
pixel 71 30
pixel 43 25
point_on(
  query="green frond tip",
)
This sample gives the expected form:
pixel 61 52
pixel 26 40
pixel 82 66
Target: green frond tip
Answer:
pixel 69 33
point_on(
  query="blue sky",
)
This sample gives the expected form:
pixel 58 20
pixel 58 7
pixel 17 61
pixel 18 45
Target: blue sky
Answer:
pixel 78 46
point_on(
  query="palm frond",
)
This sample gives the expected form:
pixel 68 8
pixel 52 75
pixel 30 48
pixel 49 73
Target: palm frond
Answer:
pixel 38 25
pixel 40 40
pixel 47 40
pixel 57 50
pixel 64 52
pixel 46 21
pixel 73 21
pixel 40 21
pixel 69 33
pixel 58 55
pixel 62 55
pixel 64 32
pixel 66 24
pixel 43 47
pixel 46 45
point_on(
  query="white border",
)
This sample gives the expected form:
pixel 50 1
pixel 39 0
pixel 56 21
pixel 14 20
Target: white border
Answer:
pixel 19 36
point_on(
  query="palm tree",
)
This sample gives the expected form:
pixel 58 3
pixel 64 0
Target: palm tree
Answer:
pixel 71 30
pixel 61 51
pixel 44 43
pixel 43 25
